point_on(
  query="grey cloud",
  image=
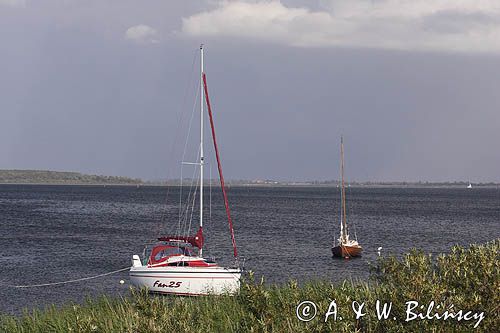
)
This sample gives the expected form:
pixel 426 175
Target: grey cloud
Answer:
pixel 457 22
pixel 402 25
pixel 13 3
pixel 142 33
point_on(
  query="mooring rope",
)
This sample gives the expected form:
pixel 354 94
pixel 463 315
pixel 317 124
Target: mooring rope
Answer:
pixel 70 281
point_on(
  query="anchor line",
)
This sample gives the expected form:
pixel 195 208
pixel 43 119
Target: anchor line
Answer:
pixel 69 281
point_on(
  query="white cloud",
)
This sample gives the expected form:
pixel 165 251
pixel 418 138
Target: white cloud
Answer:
pixel 13 3
pixel 142 33
pixel 447 25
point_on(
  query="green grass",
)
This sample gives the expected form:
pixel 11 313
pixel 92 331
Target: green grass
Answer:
pixel 468 278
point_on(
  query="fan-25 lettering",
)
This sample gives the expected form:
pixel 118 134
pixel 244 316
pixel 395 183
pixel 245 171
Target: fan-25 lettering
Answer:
pixel 171 284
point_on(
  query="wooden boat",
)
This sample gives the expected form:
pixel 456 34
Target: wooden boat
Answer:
pixel 175 264
pixel 345 247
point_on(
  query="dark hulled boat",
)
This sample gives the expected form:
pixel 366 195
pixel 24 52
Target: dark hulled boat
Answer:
pixel 345 247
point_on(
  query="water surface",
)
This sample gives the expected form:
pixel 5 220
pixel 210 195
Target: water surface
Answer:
pixel 55 233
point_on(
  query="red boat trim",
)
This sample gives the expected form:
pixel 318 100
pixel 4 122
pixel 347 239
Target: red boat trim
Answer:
pixel 189 265
pixel 146 272
pixel 179 294
pixel 186 277
pixel 219 166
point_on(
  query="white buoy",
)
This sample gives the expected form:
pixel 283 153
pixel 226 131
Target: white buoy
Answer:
pixel 378 250
pixel 122 282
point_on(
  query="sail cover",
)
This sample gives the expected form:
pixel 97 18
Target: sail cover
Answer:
pixel 196 240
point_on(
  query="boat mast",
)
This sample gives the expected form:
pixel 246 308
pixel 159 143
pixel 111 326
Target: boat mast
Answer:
pixel 201 139
pixel 343 218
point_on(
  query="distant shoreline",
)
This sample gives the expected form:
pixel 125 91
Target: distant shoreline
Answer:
pixel 46 177
pixel 482 186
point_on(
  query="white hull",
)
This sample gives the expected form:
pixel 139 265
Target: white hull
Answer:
pixel 189 281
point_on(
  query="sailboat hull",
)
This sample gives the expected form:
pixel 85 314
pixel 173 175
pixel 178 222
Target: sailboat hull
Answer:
pixel 188 281
pixel 346 251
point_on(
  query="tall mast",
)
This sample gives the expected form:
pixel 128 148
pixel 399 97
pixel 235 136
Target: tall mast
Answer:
pixel 343 214
pixel 201 139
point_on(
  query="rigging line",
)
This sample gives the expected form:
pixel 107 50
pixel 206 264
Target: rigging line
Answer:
pixel 346 229
pixel 70 281
pixel 177 131
pixel 187 216
pixel 334 223
pixel 192 212
pixel 210 194
pixel 183 218
pixel 340 207
pixel 186 142
pixel 180 201
pixel 349 207
pixel 340 211
pixel 182 230
pixel 188 200
pixel 189 128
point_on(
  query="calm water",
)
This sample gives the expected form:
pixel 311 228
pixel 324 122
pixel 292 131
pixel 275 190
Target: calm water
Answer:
pixel 54 233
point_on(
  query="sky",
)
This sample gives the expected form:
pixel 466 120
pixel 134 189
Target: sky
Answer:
pixel 109 87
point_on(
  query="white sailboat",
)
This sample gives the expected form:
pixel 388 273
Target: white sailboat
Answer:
pixel 176 264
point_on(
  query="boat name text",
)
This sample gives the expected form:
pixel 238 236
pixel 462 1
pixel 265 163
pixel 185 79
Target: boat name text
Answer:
pixel 171 284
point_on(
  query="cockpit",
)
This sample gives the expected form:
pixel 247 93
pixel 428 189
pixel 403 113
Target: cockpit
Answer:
pixel 161 253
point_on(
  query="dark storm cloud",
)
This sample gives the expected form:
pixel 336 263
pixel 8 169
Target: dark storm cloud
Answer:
pixel 78 95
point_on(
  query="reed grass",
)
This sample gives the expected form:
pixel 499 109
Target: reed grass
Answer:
pixel 468 278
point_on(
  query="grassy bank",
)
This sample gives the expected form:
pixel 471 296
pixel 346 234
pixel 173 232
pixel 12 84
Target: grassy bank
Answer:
pixel 467 278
